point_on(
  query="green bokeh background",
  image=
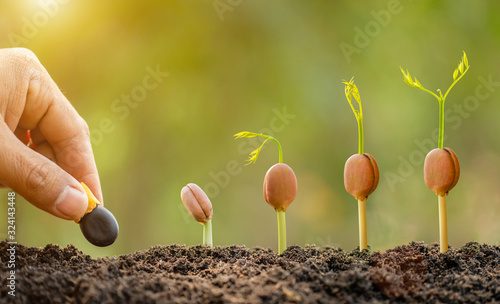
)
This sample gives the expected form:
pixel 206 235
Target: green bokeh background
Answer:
pixel 232 68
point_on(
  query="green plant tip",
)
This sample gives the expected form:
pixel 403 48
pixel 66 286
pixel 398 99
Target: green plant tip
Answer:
pixel 351 91
pixel 255 153
pixel 459 72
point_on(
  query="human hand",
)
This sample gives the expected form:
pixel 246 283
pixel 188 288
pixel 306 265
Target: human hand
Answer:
pixel 47 175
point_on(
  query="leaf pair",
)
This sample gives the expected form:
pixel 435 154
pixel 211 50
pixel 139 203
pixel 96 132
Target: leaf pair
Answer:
pixel 255 153
pixel 459 72
pixel 351 90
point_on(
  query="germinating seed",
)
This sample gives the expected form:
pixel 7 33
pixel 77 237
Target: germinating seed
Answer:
pixel 99 227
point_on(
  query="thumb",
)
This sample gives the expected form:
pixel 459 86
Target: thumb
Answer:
pixel 39 180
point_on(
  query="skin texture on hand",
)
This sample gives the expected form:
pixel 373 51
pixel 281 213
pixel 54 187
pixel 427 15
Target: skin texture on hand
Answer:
pixel 49 175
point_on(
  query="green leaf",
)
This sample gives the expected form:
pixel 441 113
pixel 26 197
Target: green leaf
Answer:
pixel 461 67
pixel 466 62
pixel 455 74
pixel 246 134
pixel 417 83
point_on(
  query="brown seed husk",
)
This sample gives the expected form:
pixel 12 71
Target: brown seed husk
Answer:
pixel 441 170
pixel 280 186
pixel 361 175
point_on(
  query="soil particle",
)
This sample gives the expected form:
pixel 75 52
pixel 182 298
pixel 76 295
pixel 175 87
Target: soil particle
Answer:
pixel 414 273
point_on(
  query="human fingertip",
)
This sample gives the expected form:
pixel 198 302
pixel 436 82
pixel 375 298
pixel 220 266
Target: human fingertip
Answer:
pixel 72 203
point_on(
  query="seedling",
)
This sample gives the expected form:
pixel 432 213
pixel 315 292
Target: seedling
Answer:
pixel 98 225
pixel 361 171
pixel 199 206
pixel 441 167
pixel 280 185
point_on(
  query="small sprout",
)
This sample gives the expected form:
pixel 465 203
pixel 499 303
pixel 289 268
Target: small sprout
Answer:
pixel 361 170
pixel 280 185
pixel 441 167
pixel 98 225
pixel 199 206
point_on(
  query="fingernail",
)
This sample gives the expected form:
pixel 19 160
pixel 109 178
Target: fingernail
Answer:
pixel 71 201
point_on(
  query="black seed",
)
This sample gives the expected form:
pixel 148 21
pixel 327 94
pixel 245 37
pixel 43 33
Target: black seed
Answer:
pixel 99 227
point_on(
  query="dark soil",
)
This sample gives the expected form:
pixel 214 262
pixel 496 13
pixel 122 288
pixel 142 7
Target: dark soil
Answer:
pixel 416 273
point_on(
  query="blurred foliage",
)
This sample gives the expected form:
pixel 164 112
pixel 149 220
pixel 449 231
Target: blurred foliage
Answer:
pixel 235 74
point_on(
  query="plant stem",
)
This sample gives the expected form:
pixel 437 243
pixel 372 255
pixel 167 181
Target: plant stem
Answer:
pixel 360 132
pixel 443 226
pixel 279 148
pixel 281 231
pixel 207 233
pixel 363 243
pixel 441 123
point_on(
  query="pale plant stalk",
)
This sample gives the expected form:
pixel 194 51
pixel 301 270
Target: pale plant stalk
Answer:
pixel 281 231
pixel 207 233
pixel 443 226
pixel 363 240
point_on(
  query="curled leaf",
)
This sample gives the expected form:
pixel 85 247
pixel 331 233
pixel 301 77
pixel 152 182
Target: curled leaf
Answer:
pixel 246 134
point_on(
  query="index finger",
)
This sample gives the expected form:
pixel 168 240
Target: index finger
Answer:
pixel 49 111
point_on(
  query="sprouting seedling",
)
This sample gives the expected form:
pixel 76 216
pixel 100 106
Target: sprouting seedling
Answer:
pixel 280 185
pixel 361 171
pixel 441 167
pixel 199 206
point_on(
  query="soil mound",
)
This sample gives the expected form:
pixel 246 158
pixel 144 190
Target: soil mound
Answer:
pixel 235 274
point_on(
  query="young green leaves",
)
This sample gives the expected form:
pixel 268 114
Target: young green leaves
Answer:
pixel 199 206
pixel 361 170
pixel 459 72
pixel 351 90
pixel 255 153
pixel 280 185
pixel 441 167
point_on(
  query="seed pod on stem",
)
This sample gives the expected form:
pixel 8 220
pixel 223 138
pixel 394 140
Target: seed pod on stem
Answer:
pixel 199 206
pixel 441 168
pixel 280 185
pixel 441 171
pixel 361 170
pixel 361 175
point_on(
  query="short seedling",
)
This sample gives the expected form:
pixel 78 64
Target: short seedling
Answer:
pixel 441 167
pixel 280 185
pixel 361 171
pixel 98 225
pixel 199 206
